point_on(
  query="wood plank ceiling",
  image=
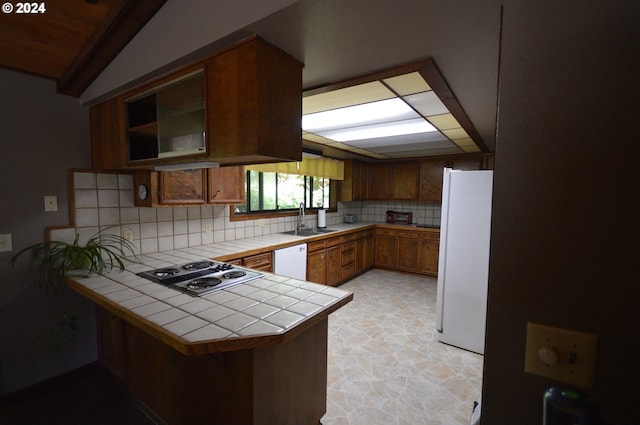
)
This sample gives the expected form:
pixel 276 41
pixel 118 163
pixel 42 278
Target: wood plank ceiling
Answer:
pixel 71 41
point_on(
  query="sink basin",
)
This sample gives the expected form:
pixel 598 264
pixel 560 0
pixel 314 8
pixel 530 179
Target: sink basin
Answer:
pixel 308 232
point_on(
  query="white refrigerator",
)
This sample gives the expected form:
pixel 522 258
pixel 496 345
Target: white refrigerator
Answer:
pixel 463 264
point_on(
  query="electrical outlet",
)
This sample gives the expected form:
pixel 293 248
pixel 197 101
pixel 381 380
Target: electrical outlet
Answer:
pixel 128 235
pixel 208 228
pixel 561 354
pixel 261 222
pixel 50 203
pixel 6 244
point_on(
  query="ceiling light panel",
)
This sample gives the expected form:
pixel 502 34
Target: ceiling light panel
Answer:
pixel 354 95
pixel 359 115
pixel 386 129
pixel 420 138
pixel 427 103
pixel 407 84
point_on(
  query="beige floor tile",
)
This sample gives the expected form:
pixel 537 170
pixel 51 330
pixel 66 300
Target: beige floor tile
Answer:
pixel 386 366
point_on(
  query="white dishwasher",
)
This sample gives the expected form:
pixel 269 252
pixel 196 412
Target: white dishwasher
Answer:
pixel 291 261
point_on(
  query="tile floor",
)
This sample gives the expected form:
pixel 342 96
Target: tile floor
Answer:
pixel 386 366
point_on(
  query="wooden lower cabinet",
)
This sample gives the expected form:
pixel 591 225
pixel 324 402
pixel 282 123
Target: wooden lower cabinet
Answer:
pixel 407 258
pixel 279 384
pixel 110 330
pixel 386 248
pixel 333 261
pixel 429 253
pixel 407 250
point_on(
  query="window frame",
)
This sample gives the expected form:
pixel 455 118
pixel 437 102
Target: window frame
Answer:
pixel 251 215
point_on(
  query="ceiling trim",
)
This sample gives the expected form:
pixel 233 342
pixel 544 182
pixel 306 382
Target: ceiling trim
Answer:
pixel 431 74
pixel 119 26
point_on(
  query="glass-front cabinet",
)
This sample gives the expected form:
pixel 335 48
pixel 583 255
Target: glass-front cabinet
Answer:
pixel 168 121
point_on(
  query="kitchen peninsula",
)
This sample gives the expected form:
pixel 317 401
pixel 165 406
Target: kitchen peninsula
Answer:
pixel 254 353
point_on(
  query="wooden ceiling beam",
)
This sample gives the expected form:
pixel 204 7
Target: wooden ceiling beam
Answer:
pixel 119 26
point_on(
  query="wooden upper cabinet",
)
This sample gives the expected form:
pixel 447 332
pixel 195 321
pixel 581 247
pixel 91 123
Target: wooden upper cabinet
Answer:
pixel 380 185
pixel 354 185
pixel 430 180
pixel 405 180
pixel 254 98
pixel 238 106
pixel 467 163
pixel 226 185
pixel 108 144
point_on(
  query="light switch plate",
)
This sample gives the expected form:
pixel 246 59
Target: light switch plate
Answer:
pixel 50 203
pixel 6 243
pixel 574 354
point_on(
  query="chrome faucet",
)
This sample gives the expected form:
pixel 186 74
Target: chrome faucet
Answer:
pixel 300 216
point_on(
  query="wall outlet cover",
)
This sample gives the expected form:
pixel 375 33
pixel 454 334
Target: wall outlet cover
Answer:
pixel 562 354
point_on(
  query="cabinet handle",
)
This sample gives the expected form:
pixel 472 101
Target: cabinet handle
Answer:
pixel 216 194
pixel 322 256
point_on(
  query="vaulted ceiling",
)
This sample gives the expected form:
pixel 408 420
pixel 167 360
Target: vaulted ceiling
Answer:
pixel 70 41
pixel 93 48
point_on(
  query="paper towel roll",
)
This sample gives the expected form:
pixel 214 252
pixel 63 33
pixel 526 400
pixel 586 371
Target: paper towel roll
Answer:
pixel 322 218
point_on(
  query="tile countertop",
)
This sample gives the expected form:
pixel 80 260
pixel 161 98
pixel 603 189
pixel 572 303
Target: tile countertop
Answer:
pixel 261 312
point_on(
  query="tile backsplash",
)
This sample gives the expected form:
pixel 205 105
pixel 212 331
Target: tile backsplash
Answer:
pixel 107 200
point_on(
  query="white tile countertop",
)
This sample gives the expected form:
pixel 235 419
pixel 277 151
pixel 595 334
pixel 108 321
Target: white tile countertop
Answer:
pixel 260 312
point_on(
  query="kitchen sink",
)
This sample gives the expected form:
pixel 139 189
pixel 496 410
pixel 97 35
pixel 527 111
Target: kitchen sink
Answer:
pixel 308 232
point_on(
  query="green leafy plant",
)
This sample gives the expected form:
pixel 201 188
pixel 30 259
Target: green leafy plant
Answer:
pixel 54 259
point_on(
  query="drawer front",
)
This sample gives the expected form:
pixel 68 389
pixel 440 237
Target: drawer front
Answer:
pixel 348 257
pixel 260 261
pixel 316 245
pixel 430 235
pixel 347 238
pixel 333 241
pixel 349 246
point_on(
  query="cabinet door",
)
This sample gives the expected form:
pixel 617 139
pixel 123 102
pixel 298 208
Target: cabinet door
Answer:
pixel 182 187
pixel 317 266
pixel 386 248
pixel 254 102
pixel 405 180
pixel 429 251
pixel 430 177
pixel 226 185
pixel 408 252
pixel 354 185
pixel 380 186
pixel 107 135
pixel 111 341
pixel 334 265
pixel 369 250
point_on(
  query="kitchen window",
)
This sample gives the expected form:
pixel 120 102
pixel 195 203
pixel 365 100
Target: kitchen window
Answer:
pixel 270 192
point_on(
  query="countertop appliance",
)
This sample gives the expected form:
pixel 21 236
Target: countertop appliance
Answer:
pixel 291 261
pixel 200 277
pixel 351 218
pixel 463 265
pixel 399 217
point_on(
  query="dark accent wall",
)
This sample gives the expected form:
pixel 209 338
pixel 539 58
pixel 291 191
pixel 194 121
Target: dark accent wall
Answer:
pixel 42 135
pixel 565 230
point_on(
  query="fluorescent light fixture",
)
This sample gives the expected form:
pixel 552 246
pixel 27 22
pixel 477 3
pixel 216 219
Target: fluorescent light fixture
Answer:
pixel 187 166
pixel 367 113
pixel 389 129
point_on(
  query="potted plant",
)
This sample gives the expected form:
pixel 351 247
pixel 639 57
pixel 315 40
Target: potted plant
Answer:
pixel 55 259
